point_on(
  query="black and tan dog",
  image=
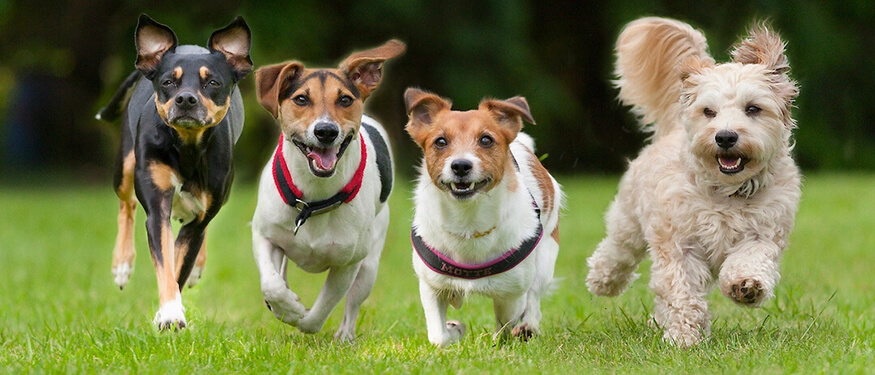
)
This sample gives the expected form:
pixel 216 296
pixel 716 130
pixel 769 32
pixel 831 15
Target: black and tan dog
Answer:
pixel 181 114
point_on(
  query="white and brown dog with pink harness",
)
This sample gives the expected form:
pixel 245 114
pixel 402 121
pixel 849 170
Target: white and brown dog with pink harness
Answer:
pixel 322 199
pixel 487 214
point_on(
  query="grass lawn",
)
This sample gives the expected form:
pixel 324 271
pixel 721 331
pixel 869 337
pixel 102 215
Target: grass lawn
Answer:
pixel 61 312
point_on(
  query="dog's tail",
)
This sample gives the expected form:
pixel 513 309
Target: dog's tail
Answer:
pixel 648 53
pixel 119 100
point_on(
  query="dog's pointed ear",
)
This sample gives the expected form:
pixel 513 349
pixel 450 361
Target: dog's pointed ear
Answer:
pixel 153 40
pixel 422 108
pixel 272 81
pixel 509 113
pixel 765 47
pixel 234 42
pixel 365 69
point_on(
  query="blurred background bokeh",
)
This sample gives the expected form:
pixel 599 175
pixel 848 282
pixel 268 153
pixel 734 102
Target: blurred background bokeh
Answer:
pixel 60 62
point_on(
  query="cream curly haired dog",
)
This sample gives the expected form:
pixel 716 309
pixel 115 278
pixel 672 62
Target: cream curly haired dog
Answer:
pixel 714 197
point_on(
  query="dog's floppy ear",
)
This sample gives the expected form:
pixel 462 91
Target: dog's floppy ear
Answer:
pixel 234 42
pixel 153 40
pixel 272 81
pixel 422 108
pixel 365 69
pixel 509 113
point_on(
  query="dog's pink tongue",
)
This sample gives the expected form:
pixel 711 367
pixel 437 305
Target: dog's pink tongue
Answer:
pixel 324 157
pixel 729 161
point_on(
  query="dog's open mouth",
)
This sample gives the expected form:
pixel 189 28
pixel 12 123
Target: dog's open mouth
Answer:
pixel 466 189
pixel 731 164
pixel 323 160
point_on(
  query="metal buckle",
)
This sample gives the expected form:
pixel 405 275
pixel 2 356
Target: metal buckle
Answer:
pixel 300 205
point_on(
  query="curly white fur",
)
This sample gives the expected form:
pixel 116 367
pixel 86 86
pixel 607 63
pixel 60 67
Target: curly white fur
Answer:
pixel 700 220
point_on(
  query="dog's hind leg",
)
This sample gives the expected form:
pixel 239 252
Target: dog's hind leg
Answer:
pixel 364 280
pixel 612 266
pixel 124 252
pixel 358 292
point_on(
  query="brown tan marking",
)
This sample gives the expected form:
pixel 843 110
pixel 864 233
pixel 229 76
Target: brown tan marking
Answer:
pixel 177 73
pixel 163 109
pixel 462 130
pixel 215 113
pixel 323 102
pixel 165 272
pixel 162 175
pixel 545 183
pixel 204 72
pixel 124 251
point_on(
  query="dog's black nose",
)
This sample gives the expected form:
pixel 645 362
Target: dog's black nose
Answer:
pixel 726 138
pixel 186 100
pixel 461 167
pixel 326 132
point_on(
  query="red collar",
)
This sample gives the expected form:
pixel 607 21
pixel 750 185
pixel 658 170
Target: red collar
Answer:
pixel 294 197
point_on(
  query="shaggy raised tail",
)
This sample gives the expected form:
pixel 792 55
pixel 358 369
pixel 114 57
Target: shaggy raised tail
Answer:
pixel 119 100
pixel 648 53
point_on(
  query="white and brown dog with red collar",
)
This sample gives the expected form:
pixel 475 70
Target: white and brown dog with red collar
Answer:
pixel 487 214
pixel 322 196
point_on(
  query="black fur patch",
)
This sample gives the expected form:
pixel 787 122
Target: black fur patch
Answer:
pixel 384 161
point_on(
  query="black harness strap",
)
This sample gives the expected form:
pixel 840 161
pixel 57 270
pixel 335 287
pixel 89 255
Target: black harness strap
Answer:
pixel 384 161
pixel 442 264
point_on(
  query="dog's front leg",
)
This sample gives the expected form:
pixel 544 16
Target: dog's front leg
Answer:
pixel 680 280
pixel 750 273
pixel 189 243
pixel 282 302
pixel 336 285
pixel 441 332
pixel 171 313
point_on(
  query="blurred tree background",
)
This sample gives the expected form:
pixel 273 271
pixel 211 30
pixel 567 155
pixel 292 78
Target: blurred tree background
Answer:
pixel 60 62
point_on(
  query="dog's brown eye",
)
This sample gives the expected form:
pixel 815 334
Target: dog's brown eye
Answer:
pixel 167 83
pixel 752 110
pixel 214 83
pixel 709 113
pixel 486 141
pixel 301 100
pixel 345 101
pixel 441 142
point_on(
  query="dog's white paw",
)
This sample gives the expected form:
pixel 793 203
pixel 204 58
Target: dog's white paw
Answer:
pixel 344 335
pixel 285 305
pixel 455 331
pixel 121 273
pixel 194 276
pixel 310 323
pixel 684 337
pixel 171 315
